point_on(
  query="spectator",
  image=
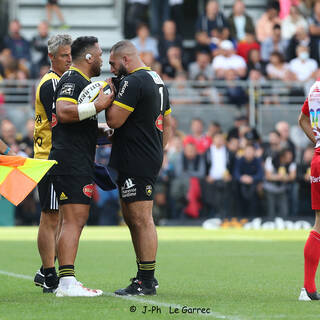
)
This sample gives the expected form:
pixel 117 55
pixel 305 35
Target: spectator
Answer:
pixel 306 6
pixel 278 69
pixel 26 144
pixel 265 24
pixel 248 43
pixel 273 146
pixel 248 172
pixel 176 13
pixel 239 122
pixel 8 134
pixel 149 60
pixel 235 93
pixel 240 23
pixel 143 42
pixel 292 22
pixel 217 37
pixel 159 12
pixel 197 136
pixel 201 66
pixel 19 46
pixel 186 190
pixel 214 128
pixel 136 13
pixel 213 19
pixel 303 67
pixel 279 171
pixel 181 93
pixel 256 67
pixel 301 38
pixel 39 49
pixel 169 38
pixel 214 190
pixel 273 43
pixel 284 130
pixel 303 179
pixel 228 61
pixel 173 64
pixel 314 31
pixel 53 6
pixel 208 93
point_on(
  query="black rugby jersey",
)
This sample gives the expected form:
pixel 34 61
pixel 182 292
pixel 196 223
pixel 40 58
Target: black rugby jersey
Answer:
pixel 137 145
pixel 73 144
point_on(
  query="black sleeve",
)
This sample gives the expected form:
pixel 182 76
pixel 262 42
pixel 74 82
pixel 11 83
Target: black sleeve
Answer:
pixel 46 95
pixel 128 94
pixel 70 90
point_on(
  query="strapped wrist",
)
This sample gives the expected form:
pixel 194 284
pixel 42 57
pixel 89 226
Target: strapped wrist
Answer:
pixel 86 110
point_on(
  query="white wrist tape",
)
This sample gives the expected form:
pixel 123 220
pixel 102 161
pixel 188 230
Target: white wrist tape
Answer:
pixel 86 110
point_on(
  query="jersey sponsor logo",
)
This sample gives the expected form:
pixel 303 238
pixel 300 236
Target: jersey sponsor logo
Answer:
pixel 63 196
pixel 128 190
pixel 314 179
pixel 88 190
pixel 156 78
pixel 38 141
pixel 54 120
pixel 159 122
pixel 149 190
pixel 67 89
pixel 125 85
pixel 38 119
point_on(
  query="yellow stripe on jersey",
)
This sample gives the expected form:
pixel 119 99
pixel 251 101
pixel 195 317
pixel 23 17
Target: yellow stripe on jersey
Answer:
pixel 122 105
pixel 141 68
pixel 67 99
pixel 42 130
pixel 167 112
pixel 76 69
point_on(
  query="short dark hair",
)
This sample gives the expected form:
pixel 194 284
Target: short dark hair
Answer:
pixel 81 45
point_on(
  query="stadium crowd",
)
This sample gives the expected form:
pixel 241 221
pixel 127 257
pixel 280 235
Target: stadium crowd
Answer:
pixel 205 173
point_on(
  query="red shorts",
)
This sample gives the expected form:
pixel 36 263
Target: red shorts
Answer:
pixel 315 180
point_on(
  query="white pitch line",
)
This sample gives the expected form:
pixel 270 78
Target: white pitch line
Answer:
pixel 217 315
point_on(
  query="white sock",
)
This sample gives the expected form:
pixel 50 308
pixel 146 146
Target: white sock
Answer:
pixel 66 282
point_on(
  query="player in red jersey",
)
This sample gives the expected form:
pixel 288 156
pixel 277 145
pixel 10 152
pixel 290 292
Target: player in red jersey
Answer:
pixel 310 124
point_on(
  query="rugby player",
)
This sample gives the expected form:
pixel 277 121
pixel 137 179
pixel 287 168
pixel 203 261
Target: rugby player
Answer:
pixel 59 52
pixel 308 120
pixel 140 115
pixel 74 137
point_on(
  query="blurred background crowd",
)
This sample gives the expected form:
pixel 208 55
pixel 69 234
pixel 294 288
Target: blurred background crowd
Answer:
pixel 210 169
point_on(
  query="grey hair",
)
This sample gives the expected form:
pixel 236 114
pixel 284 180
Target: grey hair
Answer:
pixel 57 41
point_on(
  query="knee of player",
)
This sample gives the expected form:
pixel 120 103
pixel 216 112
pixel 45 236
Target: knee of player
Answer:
pixel 142 222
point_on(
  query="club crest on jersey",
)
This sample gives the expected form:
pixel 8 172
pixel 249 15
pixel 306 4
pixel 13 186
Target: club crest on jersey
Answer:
pixel 88 190
pixel 159 122
pixel 67 89
pixel 54 120
pixel 149 190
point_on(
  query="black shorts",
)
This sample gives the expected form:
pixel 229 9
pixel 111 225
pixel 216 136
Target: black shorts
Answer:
pixel 52 1
pixel 73 189
pixel 47 194
pixel 135 188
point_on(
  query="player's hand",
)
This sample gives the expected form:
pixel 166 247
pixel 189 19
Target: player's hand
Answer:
pixel 103 100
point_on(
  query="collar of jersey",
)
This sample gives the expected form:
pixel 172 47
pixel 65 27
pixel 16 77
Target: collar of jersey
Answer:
pixel 76 69
pixel 141 68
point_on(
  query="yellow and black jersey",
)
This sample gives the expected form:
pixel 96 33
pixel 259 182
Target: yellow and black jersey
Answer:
pixel 137 144
pixel 73 144
pixel 43 110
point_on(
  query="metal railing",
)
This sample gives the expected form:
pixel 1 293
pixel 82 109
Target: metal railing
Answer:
pixel 264 102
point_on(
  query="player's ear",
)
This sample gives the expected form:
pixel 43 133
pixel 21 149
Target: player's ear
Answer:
pixel 88 56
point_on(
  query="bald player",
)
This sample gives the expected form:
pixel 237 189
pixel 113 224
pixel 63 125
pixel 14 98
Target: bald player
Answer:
pixel 140 115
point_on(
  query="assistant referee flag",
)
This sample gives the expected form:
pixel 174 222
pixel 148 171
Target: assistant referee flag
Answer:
pixel 19 176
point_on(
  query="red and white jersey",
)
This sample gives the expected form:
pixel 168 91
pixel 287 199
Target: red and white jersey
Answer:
pixel 311 108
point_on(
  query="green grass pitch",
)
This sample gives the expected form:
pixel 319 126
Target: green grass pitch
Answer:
pixel 237 274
